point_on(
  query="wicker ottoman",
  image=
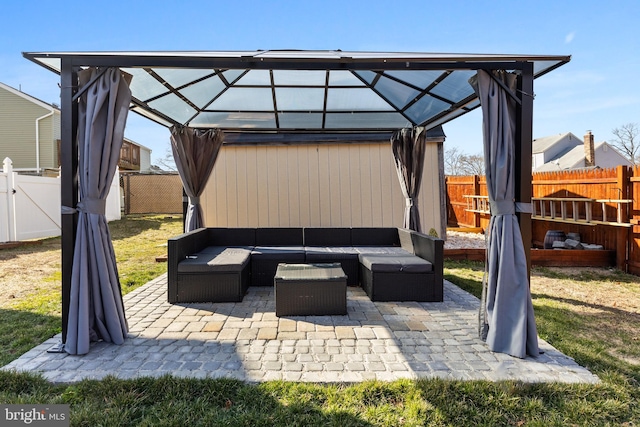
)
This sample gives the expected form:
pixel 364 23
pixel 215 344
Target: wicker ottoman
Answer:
pixel 310 289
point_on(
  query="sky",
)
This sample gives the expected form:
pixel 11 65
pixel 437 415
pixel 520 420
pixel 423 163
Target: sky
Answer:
pixel 598 90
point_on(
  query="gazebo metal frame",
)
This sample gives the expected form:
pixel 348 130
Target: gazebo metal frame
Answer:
pixel 368 67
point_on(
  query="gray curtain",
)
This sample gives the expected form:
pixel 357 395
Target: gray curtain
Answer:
pixel 506 310
pixel 195 152
pixel 96 311
pixel 408 147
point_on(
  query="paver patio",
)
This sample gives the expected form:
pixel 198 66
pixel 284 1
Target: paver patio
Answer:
pixel 246 341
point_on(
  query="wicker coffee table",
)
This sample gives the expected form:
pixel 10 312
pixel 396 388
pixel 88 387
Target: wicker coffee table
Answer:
pixel 310 289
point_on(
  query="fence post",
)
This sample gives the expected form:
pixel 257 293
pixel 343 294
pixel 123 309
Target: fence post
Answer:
pixel 476 192
pixel 7 168
pixel 623 234
pixel 127 195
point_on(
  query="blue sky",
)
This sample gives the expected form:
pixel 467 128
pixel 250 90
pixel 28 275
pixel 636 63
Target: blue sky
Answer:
pixel 598 90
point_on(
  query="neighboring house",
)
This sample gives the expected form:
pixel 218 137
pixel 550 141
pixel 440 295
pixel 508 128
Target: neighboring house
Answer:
pixel 29 131
pixel 567 151
pixel 30 135
pixel 134 157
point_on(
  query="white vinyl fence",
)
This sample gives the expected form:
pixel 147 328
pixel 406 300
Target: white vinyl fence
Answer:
pixel 30 205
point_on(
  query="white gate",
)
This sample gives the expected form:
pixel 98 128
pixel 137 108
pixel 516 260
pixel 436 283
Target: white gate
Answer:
pixel 30 205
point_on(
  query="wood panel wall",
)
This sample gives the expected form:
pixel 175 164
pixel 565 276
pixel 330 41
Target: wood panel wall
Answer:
pixel 325 185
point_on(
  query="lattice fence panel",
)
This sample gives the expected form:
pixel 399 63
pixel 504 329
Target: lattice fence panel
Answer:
pixel 145 194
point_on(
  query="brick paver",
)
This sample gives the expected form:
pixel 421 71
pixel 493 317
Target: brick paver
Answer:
pixel 247 341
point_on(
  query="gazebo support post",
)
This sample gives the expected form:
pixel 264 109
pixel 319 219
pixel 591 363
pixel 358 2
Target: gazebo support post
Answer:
pixel 524 137
pixel 68 180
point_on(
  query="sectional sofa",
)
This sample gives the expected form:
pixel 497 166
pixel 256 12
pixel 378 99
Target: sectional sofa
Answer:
pixel 219 264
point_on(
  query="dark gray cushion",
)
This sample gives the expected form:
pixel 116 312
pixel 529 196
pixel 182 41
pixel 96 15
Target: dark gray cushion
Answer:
pixel 374 236
pixel 219 249
pixel 327 236
pixel 395 263
pixel 314 253
pixel 285 253
pixel 381 250
pixel 229 260
pixel 279 236
pixel 232 236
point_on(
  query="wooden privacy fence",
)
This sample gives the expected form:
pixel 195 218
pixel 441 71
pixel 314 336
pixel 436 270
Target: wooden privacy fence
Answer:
pixel 603 205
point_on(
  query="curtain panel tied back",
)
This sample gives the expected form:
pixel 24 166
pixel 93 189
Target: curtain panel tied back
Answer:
pixel 408 146
pixel 195 152
pixel 96 310
pixel 507 321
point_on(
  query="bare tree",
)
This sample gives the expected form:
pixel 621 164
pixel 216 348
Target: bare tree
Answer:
pixel 627 141
pixel 452 157
pixel 472 164
pixel 458 163
pixel 167 162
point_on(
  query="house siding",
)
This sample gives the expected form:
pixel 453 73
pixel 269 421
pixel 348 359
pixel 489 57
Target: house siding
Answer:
pixel 18 131
pixel 145 159
pixel 341 185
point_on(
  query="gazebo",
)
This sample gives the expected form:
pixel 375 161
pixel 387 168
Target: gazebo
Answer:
pixel 289 97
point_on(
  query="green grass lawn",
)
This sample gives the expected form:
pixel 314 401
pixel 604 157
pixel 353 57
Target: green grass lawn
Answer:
pixel 575 313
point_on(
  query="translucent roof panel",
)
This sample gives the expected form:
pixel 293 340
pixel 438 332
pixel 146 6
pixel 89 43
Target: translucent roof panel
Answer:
pixel 421 79
pixel 287 90
pixel 399 94
pixel 370 121
pixel 343 78
pixel 300 120
pixel 255 78
pixel 236 120
pixel 144 85
pixel 244 99
pixel 426 106
pixel 299 78
pixel 455 87
pixel 232 75
pixel 177 77
pixel 299 99
pixel 172 106
pixel 203 92
pixel 356 99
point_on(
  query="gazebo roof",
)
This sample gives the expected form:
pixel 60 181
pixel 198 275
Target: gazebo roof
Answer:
pixel 291 91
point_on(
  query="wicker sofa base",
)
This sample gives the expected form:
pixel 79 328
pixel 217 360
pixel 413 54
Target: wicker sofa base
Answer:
pixel 218 287
pixel 401 286
pixel 226 279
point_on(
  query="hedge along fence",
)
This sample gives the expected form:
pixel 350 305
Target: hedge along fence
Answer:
pixel 613 216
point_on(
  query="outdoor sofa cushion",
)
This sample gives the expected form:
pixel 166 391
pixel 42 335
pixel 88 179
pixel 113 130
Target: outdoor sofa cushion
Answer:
pixel 334 237
pixel 395 263
pixel 314 253
pixel 381 250
pixel 220 236
pixel 286 253
pixel 374 236
pixel 279 236
pixel 346 255
pixel 216 259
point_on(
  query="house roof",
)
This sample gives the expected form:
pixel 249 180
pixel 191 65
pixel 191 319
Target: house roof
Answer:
pixel 289 91
pixel 137 143
pixel 540 145
pixel 567 160
pixel 574 158
pixel 29 98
